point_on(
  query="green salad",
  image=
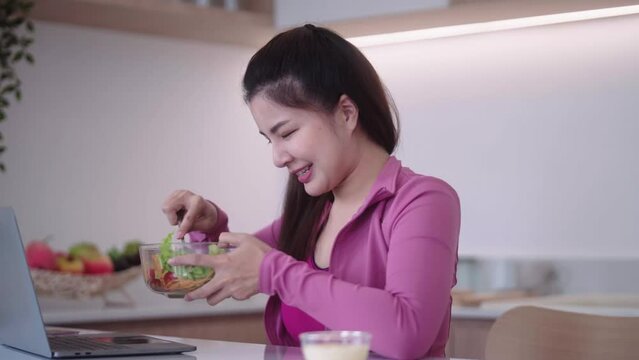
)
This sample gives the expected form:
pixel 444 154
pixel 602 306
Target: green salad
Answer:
pixel 184 271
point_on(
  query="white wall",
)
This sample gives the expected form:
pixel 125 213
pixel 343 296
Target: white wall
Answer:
pixel 111 123
pixel 535 128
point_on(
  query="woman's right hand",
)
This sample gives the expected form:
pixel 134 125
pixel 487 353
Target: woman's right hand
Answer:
pixel 199 214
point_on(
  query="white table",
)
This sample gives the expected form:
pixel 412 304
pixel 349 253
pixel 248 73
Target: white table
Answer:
pixel 206 349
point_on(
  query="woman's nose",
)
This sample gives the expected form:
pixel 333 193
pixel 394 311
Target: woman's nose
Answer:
pixel 281 157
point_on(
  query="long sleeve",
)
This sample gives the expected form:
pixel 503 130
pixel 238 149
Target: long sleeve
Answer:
pixel 222 225
pixel 270 234
pixel 406 315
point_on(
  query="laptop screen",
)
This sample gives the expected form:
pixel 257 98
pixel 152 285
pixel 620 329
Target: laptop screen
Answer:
pixel 21 324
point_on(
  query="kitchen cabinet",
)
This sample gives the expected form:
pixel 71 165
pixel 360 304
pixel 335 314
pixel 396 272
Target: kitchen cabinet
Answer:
pixel 168 18
pixel 237 327
pixel 468 338
pixel 467 335
pixel 254 23
pixel 230 320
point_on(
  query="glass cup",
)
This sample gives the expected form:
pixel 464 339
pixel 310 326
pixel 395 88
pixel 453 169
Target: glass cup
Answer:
pixel 335 345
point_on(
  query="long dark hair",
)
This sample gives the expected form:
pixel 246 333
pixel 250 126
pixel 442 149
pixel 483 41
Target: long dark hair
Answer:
pixel 310 67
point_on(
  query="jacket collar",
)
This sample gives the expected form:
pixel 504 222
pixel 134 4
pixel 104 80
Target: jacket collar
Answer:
pixel 383 188
pixel 385 185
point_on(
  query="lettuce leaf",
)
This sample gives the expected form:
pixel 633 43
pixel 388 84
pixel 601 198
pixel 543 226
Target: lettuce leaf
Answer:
pixel 184 271
pixel 166 252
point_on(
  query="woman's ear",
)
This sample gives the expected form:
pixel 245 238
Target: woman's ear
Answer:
pixel 347 113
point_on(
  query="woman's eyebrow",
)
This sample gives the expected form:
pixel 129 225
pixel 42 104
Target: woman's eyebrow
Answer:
pixel 276 126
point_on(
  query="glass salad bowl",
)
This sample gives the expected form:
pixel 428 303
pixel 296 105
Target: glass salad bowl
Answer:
pixel 175 281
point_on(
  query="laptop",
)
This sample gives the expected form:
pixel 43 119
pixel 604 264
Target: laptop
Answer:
pixel 21 324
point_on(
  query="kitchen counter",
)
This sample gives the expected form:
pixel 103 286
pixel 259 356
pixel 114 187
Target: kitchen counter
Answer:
pixel 199 308
pixel 475 313
pixel 598 304
pixel 80 312
pixel 138 303
pixel 147 305
pixel 599 286
pixel 227 307
pixel 242 321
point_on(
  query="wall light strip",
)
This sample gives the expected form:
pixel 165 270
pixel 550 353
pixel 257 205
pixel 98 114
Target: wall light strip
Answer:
pixel 489 26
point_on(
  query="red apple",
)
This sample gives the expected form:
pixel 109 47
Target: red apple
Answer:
pixel 101 264
pixel 40 256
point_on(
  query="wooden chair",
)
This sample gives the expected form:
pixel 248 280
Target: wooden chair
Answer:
pixel 528 332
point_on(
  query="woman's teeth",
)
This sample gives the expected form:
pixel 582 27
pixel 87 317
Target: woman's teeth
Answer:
pixel 303 171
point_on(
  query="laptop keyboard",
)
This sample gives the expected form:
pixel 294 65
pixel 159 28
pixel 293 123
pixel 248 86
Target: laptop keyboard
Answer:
pixel 76 343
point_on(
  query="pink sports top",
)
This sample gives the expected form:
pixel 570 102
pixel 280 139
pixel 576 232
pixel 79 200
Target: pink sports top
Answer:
pixel 297 321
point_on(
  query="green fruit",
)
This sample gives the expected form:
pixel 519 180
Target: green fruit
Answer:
pixel 119 261
pixel 84 250
pixel 132 247
pixel 132 251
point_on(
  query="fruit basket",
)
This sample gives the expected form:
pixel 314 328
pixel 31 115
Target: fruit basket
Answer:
pixel 81 286
pixel 83 271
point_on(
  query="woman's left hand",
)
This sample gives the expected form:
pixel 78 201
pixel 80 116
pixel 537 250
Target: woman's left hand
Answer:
pixel 236 272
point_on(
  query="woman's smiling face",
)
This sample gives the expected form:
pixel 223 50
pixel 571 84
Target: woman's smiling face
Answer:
pixel 312 145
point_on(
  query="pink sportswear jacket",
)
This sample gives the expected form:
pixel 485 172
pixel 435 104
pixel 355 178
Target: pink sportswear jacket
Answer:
pixel 391 271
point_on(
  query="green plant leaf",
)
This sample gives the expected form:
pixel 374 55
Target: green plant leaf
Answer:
pixel 16 22
pixel 10 40
pixel 8 89
pixel 25 41
pixel 14 14
pixel 26 6
pixel 17 56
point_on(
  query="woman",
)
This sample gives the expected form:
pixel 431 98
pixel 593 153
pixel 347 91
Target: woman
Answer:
pixel 363 243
